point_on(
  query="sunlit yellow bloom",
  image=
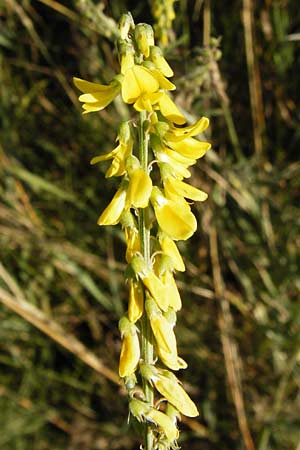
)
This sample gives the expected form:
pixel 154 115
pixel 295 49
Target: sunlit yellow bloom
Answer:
pixel 96 96
pixel 112 213
pixel 130 351
pixel 174 217
pixel 165 339
pixel 164 422
pixel 178 134
pixel 119 154
pixel 139 189
pixel 136 300
pixel 190 147
pixel 170 111
pixel 173 186
pixel 160 62
pixel 137 81
pixel 143 411
pixel 168 385
pixel 132 238
pixel 146 101
pixel 169 247
pixel 154 285
pixel 172 290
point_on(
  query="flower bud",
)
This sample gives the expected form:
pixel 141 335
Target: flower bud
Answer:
pixel 144 38
pixel 126 24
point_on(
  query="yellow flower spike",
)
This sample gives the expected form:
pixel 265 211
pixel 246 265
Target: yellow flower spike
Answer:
pixel 112 213
pixel 168 385
pixel 156 56
pixel 138 80
pixel 173 186
pixel 139 189
pixel 174 217
pixel 170 111
pixel 144 38
pixel 178 134
pixel 164 422
pixel 130 351
pixel 96 96
pixel 136 301
pixel 151 282
pixel 190 147
pixel 169 247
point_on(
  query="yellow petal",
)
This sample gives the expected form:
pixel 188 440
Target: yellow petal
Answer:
pixel 172 290
pixel 190 147
pixel 130 354
pixel 132 242
pixel 178 134
pixel 169 247
pixel 163 81
pixel 170 111
pixel 164 422
pixel 105 157
pixel 87 86
pixel 156 289
pixel 145 102
pixel 178 187
pixel 174 217
pixel 139 189
pixel 137 81
pixel 136 301
pixel 175 394
pixel 111 214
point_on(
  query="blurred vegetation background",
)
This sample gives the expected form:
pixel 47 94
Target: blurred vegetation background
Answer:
pixel 61 277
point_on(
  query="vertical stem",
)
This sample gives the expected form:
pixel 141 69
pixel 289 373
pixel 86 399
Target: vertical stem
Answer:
pixel 144 232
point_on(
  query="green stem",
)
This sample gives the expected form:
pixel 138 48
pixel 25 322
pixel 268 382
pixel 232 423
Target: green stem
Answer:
pixel 147 347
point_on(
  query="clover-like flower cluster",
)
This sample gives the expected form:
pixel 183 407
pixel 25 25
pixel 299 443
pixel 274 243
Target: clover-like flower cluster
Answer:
pixel 153 295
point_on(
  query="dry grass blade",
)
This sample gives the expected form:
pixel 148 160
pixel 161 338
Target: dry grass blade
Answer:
pixel 230 350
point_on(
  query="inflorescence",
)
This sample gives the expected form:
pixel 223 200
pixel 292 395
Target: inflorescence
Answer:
pixel 151 206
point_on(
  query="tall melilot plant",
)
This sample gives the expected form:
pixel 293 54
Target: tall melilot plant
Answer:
pixel 154 216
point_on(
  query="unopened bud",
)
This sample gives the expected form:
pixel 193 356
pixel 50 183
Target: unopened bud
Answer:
pixel 144 38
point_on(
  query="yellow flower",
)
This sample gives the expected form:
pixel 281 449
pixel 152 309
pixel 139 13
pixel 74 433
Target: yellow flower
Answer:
pixel 169 247
pixel 169 110
pixel 174 187
pixel 168 385
pixel 132 242
pixel 137 81
pixel 119 154
pixel 136 301
pixel 112 213
pixel 178 134
pixel 165 339
pixel 154 285
pixel 96 96
pixel 164 422
pixel 190 147
pixel 160 62
pixel 130 351
pixel 139 189
pixel 172 290
pixel 174 217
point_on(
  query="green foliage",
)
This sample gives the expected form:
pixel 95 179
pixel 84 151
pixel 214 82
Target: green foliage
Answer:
pixel 55 259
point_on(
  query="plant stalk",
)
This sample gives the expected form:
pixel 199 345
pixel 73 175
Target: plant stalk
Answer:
pixel 144 232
